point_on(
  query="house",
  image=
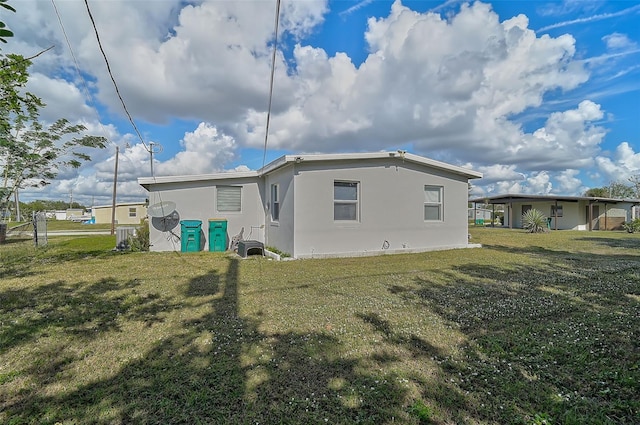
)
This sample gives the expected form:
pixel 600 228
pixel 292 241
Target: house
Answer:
pixel 567 212
pixel 126 213
pixel 480 215
pixel 323 205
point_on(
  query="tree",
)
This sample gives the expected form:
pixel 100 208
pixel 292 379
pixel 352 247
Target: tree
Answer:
pixel 31 154
pixel 4 32
pixel 635 184
pixel 598 192
pixel 617 190
pixel 620 190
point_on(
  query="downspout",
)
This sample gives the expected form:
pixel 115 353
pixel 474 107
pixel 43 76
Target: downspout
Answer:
pixel 605 217
pixel 555 217
pixel 590 215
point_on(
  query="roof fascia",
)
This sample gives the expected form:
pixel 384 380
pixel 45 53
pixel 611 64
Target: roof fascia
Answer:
pixel 400 155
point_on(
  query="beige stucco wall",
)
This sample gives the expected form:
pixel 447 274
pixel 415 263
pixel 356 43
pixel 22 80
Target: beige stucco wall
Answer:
pixel 574 216
pixel 125 213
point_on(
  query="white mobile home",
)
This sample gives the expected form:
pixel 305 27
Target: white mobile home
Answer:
pixel 323 205
pixel 566 212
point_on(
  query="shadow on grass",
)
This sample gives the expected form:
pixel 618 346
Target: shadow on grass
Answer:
pixel 558 340
pixel 21 258
pixel 221 369
pixel 628 243
pixel 80 309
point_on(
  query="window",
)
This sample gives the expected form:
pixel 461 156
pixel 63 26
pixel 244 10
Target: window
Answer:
pixel 556 212
pixel 433 203
pixel 133 212
pixel 229 198
pixel 275 202
pixel 345 201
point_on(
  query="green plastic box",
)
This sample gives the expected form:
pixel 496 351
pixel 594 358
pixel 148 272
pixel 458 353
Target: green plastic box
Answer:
pixel 190 235
pixel 217 234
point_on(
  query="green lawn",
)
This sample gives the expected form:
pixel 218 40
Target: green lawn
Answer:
pixel 530 329
pixel 53 225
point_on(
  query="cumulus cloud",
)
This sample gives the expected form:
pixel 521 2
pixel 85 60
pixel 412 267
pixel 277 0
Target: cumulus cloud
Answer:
pixel 450 87
pixel 617 41
pixel 624 163
pixel 206 151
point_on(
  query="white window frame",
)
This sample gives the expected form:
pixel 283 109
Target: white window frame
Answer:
pixel 275 202
pixel 354 202
pixel 133 212
pixel 556 212
pixel 432 203
pixel 237 201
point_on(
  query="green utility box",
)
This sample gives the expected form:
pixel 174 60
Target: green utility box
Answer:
pixel 217 234
pixel 190 235
pixel 479 221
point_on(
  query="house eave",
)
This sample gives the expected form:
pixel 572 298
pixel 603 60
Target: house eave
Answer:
pixel 146 182
pixel 400 156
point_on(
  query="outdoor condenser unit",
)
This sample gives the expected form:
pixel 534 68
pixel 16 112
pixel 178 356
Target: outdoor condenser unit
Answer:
pixel 122 237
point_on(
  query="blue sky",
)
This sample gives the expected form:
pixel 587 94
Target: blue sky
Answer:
pixel 542 97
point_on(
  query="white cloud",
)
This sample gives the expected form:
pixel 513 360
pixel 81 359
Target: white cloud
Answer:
pixel 617 41
pixel 624 163
pixel 569 183
pixel 206 151
pixel 449 87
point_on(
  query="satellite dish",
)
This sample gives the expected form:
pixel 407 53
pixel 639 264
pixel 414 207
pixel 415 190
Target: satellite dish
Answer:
pixel 166 223
pixel 161 209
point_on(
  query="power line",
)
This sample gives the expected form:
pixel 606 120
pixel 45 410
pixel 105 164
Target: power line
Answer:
pixel 104 55
pixel 273 68
pixel 77 66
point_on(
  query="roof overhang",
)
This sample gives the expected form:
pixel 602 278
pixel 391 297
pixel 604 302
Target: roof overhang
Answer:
pixel 146 182
pixel 396 155
pixel 509 198
pixel 285 160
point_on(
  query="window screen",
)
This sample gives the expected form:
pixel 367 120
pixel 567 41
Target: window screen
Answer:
pixel 345 201
pixel 229 198
pixel 433 203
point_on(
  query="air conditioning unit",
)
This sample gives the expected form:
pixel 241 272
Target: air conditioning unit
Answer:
pixel 122 237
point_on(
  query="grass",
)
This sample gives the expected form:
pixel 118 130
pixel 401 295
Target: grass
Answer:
pixel 69 225
pixel 530 329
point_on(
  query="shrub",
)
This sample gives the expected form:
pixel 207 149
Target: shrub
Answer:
pixel 534 221
pixel 632 226
pixel 140 240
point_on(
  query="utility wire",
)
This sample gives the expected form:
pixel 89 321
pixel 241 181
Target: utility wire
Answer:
pixel 273 68
pixel 77 66
pixel 104 55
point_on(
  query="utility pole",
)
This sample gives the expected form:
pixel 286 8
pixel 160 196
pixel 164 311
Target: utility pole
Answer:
pixel 151 148
pixel 113 203
pixel 151 155
pixel 17 205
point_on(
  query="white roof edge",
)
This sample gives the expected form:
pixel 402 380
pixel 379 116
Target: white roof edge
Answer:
pixel 196 177
pixel 287 159
pixel 119 204
pixel 283 160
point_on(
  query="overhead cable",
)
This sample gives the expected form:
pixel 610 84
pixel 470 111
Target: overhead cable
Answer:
pixel 273 68
pixel 104 55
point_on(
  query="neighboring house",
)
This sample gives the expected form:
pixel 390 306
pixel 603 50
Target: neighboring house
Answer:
pixel 324 205
pixel 126 213
pixel 74 214
pixel 479 214
pixel 567 212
